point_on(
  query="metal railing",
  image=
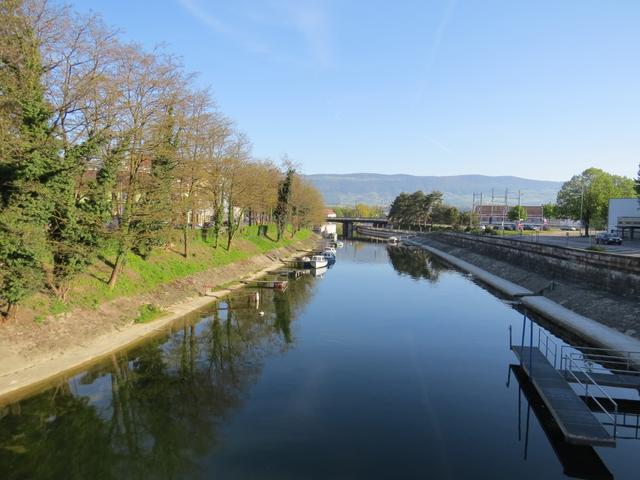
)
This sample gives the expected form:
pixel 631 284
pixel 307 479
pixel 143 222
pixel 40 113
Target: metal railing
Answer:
pixel 612 415
pixel 550 347
pixel 603 360
pixel 579 365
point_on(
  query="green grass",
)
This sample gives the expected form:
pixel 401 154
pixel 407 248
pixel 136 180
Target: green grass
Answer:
pixel 148 312
pixel 163 266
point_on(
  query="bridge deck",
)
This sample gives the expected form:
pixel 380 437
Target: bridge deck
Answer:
pixel 577 423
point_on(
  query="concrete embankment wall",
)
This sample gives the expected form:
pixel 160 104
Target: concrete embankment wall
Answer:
pixel 593 332
pixel 619 274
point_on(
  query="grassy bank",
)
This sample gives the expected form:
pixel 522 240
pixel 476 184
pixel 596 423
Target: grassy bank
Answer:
pixel 163 266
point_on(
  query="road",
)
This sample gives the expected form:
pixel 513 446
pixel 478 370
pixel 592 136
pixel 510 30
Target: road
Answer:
pixel 628 247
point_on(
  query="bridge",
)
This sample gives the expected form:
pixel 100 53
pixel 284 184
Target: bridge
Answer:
pixel 349 222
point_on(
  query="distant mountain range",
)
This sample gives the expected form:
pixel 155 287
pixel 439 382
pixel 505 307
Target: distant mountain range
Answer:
pixel 377 189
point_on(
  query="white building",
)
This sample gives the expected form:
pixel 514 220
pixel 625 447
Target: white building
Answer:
pixel 329 229
pixel 624 217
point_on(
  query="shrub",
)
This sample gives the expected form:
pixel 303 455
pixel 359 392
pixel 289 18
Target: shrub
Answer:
pixel 148 312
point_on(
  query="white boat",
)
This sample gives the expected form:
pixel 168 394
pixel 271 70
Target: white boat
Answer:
pixel 318 261
pixel 392 240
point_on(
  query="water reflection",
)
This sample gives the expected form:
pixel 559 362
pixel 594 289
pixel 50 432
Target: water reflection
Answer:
pixel 153 412
pixel 416 263
pixel 376 371
pixel 578 461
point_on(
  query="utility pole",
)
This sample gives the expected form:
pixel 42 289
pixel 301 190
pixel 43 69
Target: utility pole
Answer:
pixel 492 200
pixel 581 202
pixel 505 212
pixel 473 207
pixel 519 211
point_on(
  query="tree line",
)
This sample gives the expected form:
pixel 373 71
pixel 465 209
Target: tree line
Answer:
pixel 103 142
pixel 419 209
pixel 360 210
pixel 584 197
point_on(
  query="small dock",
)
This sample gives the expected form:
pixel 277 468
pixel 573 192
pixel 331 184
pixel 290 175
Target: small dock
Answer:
pixel 576 421
pixel 292 274
pixel 275 284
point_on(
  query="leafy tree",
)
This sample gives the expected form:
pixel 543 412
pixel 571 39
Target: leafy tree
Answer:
pixel 282 210
pixel 469 218
pixel 79 212
pixel 415 209
pixel 150 88
pixel 29 162
pixel 446 215
pixel 550 210
pixel 362 210
pixel 517 213
pixel 586 196
pixel 307 206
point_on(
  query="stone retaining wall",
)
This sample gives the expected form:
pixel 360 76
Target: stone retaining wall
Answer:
pixel 619 274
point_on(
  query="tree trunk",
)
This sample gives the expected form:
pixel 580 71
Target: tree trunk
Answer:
pixel 185 238
pixel 12 308
pixel 116 270
pixel 61 290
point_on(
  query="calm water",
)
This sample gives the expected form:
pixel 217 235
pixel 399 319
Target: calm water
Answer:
pixel 391 366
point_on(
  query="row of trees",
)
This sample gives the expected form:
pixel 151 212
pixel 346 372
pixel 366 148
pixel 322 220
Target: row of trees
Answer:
pixel 584 197
pixel 360 210
pixel 103 141
pixel 419 209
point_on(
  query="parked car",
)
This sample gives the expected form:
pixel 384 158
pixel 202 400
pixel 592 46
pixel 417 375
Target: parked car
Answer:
pixel 528 226
pixel 608 239
pixel 509 226
pixel 568 228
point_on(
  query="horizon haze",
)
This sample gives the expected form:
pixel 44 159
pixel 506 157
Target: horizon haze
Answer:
pixel 458 190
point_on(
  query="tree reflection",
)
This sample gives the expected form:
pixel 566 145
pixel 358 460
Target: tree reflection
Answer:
pixel 155 412
pixel 416 263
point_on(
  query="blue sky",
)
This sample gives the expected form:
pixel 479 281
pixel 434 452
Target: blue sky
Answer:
pixel 540 89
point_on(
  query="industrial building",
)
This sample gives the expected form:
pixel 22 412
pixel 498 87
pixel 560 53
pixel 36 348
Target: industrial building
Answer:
pixel 624 217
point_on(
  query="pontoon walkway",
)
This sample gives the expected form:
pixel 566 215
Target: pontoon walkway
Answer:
pixel 578 424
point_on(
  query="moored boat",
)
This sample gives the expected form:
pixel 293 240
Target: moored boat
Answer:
pixel 318 261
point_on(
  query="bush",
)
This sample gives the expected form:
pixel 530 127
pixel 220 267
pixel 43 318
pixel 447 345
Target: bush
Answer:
pixel 596 248
pixel 148 312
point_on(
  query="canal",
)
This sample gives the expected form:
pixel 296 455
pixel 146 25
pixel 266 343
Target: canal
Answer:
pixel 390 365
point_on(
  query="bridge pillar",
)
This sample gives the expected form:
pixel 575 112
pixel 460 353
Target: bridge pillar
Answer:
pixel 347 229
